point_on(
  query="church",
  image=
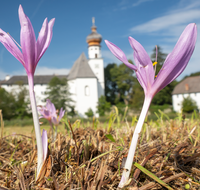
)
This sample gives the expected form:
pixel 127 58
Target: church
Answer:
pixel 85 79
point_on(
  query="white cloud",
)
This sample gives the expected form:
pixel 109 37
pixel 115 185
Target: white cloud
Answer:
pixel 125 4
pixel 139 2
pixel 168 22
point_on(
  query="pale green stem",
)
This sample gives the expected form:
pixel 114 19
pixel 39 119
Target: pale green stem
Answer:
pixel 131 153
pixel 50 123
pixel 56 131
pixel 36 123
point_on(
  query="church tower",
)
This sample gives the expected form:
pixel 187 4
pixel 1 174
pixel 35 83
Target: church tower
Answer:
pixel 94 57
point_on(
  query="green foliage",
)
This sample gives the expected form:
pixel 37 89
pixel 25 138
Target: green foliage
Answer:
pixel 21 103
pixel 58 93
pixel 123 76
pixel 111 88
pixel 14 104
pixel 121 107
pixel 7 104
pixel 89 113
pixel 188 105
pixel 119 82
pixel 137 96
pixel 103 106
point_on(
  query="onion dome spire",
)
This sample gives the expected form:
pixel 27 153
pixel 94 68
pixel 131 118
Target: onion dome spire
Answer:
pixel 94 38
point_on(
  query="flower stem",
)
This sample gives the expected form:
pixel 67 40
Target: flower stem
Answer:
pixel 131 153
pixel 50 123
pixel 36 123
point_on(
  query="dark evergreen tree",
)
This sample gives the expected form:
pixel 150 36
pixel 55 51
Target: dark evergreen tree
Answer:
pixel 58 93
pixel 189 105
pixel 111 88
pixel 103 106
pixel 123 77
pixel 89 113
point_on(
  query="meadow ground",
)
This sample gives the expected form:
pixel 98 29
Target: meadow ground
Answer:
pixel 91 155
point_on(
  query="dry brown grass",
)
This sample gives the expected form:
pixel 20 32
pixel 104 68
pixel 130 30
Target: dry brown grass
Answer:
pixel 84 158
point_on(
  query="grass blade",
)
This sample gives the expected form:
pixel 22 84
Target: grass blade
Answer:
pixel 152 176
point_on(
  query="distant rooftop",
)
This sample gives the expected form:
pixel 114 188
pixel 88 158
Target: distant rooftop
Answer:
pixel 38 79
pixel 81 69
pixel 188 85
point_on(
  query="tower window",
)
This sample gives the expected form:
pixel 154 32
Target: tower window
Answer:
pixel 87 91
pixel 95 55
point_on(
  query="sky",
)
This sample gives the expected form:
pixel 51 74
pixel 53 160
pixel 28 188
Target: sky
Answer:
pixel 151 22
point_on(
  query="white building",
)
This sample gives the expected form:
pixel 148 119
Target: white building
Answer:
pixel 85 79
pixel 190 86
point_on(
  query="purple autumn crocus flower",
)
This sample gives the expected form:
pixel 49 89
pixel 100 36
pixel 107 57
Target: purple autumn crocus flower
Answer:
pixel 173 66
pixel 30 55
pixel 56 119
pixel 49 112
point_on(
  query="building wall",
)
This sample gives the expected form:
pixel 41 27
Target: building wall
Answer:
pixel 97 67
pixel 178 98
pixel 86 95
pixel 94 52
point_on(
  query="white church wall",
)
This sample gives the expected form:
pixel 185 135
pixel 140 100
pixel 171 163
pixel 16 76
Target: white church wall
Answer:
pixel 178 98
pixel 87 96
pixel 72 89
pixel 98 69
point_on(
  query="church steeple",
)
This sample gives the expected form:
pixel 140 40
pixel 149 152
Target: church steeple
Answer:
pixel 94 40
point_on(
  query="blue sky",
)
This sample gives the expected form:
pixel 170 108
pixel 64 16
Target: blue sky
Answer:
pixel 151 22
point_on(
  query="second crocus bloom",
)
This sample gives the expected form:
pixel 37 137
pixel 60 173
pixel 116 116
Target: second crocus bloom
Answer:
pixel 173 66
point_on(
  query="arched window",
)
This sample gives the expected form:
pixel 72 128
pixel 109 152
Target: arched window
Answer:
pixel 87 91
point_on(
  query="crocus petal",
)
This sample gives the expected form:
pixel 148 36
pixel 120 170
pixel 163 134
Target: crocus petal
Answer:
pixel 44 144
pixel 54 120
pixel 178 59
pixel 140 52
pixel 119 54
pixel 141 58
pixel 28 42
pixel 42 38
pixel 10 45
pixel 61 114
pixel 48 39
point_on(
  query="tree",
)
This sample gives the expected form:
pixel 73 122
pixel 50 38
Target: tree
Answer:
pixel 89 113
pixel 165 95
pixel 111 88
pixel 103 106
pixel 189 105
pixel 7 104
pixel 58 93
pixel 123 77
pixel 137 96
pixel 21 103
pixel 14 104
